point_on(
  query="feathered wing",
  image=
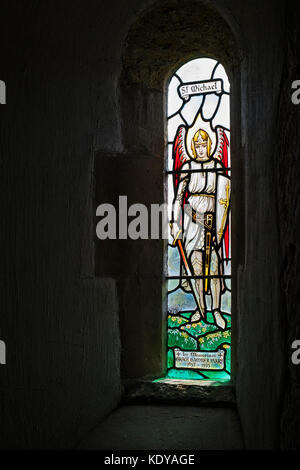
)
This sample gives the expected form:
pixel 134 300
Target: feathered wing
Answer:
pixel 180 156
pixel 222 147
pixel 222 155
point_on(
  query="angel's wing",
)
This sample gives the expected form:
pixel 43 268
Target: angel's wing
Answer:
pixel 180 154
pixel 221 152
pixel 222 155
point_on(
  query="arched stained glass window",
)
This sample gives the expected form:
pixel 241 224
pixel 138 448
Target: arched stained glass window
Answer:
pixel 199 252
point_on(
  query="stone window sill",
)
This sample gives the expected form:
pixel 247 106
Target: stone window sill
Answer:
pixel 179 392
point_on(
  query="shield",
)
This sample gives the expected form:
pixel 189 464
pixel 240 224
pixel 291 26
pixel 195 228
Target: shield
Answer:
pixel 222 205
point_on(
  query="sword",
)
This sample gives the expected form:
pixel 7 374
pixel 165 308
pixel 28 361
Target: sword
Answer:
pixel 208 223
pixel 225 203
pixel 188 271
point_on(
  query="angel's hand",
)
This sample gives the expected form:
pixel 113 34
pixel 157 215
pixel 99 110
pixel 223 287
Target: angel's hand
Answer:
pixel 175 229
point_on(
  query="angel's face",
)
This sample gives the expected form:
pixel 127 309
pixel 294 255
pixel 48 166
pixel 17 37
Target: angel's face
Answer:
pixel 201 151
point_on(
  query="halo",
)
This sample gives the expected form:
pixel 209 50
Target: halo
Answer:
pixel 200 123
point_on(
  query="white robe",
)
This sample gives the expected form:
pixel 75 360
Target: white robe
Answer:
pixel 199 183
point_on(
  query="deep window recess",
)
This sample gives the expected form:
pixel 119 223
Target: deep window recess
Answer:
pixel 198 180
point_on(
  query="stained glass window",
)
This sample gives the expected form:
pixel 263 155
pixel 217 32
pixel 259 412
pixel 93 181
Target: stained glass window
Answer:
pixel 198 270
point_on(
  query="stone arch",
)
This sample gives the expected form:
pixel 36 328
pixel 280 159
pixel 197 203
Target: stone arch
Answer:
pixel 161 39
pixel 167 35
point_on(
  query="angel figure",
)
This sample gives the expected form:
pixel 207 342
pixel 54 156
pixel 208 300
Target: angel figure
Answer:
pixel 200 218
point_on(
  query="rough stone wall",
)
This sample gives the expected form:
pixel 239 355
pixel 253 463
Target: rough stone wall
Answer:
pixel 62 66
pixel 288 196
pixel 182 28
pixel 58 320
pixel 260 350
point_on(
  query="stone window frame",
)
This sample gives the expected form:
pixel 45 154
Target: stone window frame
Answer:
pixel 150 56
